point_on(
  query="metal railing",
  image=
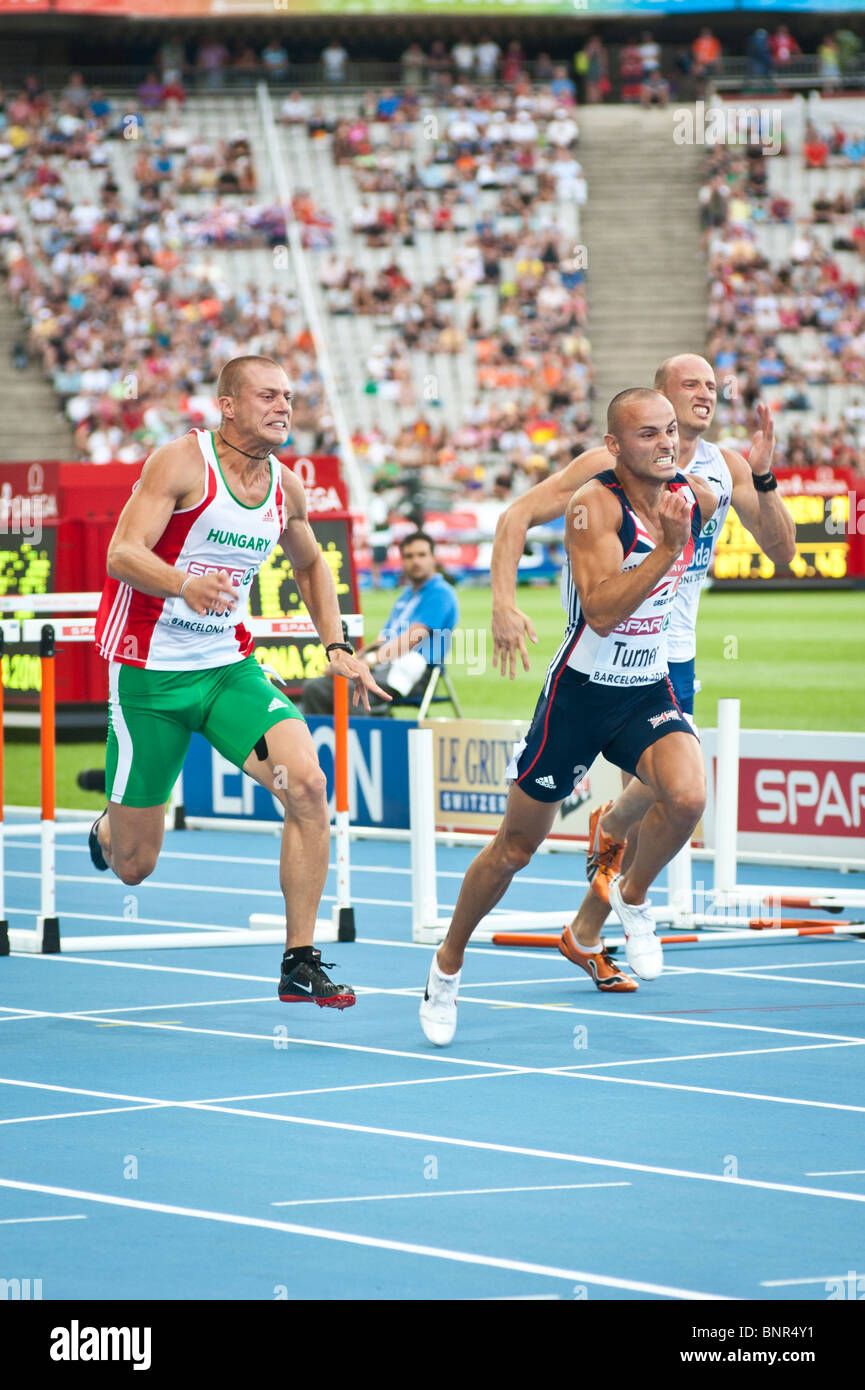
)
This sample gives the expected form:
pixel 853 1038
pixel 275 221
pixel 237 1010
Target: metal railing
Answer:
pixel 357 484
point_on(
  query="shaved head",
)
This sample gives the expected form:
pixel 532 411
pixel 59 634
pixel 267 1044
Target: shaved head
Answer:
pixel 642 435
pixel 622 405
pixel 255 399
pixel 682 364
pixel 688 380
pixel 235 373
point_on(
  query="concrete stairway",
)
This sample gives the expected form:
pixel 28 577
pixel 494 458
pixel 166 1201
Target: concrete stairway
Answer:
pixel 32 425
pixel 640 228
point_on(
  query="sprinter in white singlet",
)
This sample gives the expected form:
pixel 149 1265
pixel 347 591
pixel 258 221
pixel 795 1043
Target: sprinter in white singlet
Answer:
pixel 206 513
pixel 629 536
pixel 688 382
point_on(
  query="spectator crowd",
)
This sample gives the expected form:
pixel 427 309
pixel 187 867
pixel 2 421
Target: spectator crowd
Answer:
pixel 130 336
pixel 783 326
pixel 100 210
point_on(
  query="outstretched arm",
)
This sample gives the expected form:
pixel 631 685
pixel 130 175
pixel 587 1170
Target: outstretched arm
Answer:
pixel 318 591
pixel 763 513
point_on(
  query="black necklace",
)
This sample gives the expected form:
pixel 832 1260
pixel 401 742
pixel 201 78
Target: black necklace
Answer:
pixel 259 458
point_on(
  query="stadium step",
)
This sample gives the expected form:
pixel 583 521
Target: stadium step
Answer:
pixel 35 428
pixel 640 228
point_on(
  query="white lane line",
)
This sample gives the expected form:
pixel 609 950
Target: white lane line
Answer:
pixel 188 1004
pixel 787 965
pixel 142 965
pixel 76 1114
pixel 435 1057
pixel 484 1145
pixel 703 1056
pixel 377 1085
pixel 129 921
pixel 152 884
pixel 499 952
pixel 540 1071
pixel 457 1192
pixel 752 974
pixel 428 1056
pixel 110 1009
pixel 466 998
pixel 212 888
pixel 835 1173
pixel 31 1220
pixel 142 1102
pixel 717 1091
pixel 370 1242
pixel 619 1015
pixel 269 999
pixel 788 1283
pixel 274 864
pixel 487 1146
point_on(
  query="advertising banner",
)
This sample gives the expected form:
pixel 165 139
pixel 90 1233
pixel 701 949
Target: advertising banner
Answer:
pixel 471 758
pixel 452 8
pixel 799 792
pixel 377 776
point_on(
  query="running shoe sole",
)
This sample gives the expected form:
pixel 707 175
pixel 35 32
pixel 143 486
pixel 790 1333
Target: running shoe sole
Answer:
pixel 96 855
pixel 335 1001
pixel 588 961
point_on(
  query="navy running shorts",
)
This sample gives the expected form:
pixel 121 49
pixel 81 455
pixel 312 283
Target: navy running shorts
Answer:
pixel 576 720
pixel 684 684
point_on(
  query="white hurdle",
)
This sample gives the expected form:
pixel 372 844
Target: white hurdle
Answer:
pixel 262 929
pixel 728 917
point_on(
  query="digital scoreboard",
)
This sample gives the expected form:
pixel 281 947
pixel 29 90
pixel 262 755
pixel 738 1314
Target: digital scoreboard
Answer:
pixel 821 555
pixel 275 594
pixel 26 567
pixel 830 546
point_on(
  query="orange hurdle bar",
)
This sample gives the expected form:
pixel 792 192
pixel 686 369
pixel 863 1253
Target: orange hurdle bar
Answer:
pixel 48 926
pixel 717 938
pixel 343 911
pixel 4 925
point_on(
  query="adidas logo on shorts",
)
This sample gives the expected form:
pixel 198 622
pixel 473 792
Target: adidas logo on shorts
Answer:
pixel 275 704
pixel 548 782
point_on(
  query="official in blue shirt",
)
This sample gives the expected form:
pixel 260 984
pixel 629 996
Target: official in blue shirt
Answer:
pixel 416 636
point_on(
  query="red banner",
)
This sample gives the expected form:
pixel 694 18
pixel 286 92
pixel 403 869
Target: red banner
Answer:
pixel 325 488
pixel 56 520
pixel 791 796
